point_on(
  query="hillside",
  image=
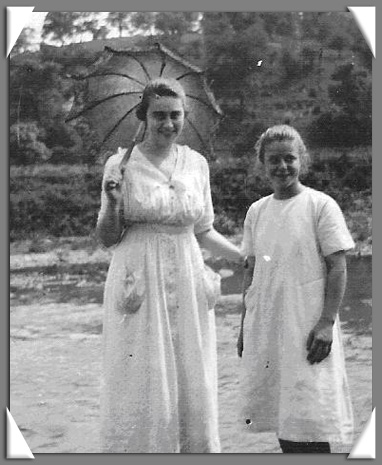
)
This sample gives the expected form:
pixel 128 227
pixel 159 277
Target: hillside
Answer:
pixel 313 72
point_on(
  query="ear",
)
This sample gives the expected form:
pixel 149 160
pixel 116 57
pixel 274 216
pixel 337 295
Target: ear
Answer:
pixel 140 112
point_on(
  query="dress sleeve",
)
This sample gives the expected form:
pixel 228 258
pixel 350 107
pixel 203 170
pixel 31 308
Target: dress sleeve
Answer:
pixel 247 246
pixel 333 233
pixel 206 221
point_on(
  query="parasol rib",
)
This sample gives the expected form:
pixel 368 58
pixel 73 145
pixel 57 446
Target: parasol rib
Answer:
pixel 141 65
pixel 196 131
pixel 110 73
pixel 118 123
pixel 193 97
pixel 125 73
pixel 189 73
pixel 99 102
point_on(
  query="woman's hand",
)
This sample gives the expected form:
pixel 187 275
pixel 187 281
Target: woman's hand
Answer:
pixel 319 341
pixel 112 184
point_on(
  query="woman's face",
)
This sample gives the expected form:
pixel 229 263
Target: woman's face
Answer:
pixel 282 166
pixel 165 120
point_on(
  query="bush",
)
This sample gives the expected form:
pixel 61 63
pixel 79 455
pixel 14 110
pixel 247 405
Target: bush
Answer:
pixel 359 178
pixel 63 200
pixel 53 200
pixel 25 148
pixel 224 224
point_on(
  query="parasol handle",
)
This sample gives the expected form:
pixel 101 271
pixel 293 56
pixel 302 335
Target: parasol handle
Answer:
pixel 112 184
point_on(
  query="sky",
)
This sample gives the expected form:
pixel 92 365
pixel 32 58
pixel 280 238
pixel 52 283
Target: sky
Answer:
pixel 36 20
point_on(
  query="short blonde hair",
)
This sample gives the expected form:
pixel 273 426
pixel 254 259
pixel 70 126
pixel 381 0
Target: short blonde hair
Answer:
pixel 279 133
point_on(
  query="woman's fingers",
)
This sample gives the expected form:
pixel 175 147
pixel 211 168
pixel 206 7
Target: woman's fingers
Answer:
pixel 113 180
pixel 318 350
pixel 110 185
pixel 310 340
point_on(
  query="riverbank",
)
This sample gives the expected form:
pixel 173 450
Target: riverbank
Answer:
pixel 53 250
pixel 55 346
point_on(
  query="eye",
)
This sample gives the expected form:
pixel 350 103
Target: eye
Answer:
pixel 176 115
pixel 159 115
pixel 274 159
pixel 290 158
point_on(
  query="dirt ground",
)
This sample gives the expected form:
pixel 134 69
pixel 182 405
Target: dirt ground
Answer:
pixel 55 355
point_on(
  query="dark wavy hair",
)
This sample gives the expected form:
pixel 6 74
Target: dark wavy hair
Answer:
pixel 160 87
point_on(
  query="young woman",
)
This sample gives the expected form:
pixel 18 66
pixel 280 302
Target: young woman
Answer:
pixel 294 381
pixel 159 392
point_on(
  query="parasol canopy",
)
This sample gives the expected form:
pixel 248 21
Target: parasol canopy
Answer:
pixel 113 90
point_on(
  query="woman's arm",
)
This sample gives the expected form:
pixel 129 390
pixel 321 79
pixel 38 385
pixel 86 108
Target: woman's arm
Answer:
pixel 110 224
pixel 110 220
pixel 218 245
pixel 247 280
pixel 320 338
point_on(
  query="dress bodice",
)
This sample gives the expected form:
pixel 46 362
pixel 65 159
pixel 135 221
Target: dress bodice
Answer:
pixel 150 197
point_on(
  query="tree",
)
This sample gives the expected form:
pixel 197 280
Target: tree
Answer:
pixel 38 94
pixel 175 23
pixel 22 43
pixel 349 123
pixel 143 20
pixel 278 24
pixel 363 52
pixel 119 19
pixel 60 25
pixel 88 23
pixel 24 144
pixel 338 42
pixel 353 93
pixel 234 45
pixel 32 85
pixel 179 31
pixel 166 23
pixel 316 26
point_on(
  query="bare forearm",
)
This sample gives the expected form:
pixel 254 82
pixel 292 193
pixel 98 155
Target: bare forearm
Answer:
pixel 218 245
pixel 320 338
pixel 109 225
pixel 335 287
pixel 335 290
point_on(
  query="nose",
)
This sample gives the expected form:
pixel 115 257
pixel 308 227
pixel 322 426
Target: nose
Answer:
pixel 282 164
pixel 167 122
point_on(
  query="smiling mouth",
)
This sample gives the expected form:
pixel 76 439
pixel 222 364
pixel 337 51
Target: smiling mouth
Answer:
pixel 168 134
pixel 282 176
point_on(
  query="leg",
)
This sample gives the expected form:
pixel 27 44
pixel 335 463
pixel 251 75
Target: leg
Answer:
pixel 290 447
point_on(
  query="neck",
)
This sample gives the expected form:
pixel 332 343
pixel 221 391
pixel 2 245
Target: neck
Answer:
pixel 288 193
pixel 153 150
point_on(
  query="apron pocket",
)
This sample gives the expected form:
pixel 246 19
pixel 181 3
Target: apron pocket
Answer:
pixel 130 293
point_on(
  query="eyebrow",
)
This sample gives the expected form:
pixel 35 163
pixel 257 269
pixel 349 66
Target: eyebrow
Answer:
pixel 287 155
pixel 174 112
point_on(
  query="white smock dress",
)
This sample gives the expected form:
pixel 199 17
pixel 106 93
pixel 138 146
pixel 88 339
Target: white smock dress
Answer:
pixel 159 385
pixel 281 391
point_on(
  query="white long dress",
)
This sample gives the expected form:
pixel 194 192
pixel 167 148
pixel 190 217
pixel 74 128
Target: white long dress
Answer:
pixel 159 386
pixel 281 391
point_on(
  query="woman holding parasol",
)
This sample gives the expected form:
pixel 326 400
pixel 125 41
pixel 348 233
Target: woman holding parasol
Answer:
pixel 159 391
